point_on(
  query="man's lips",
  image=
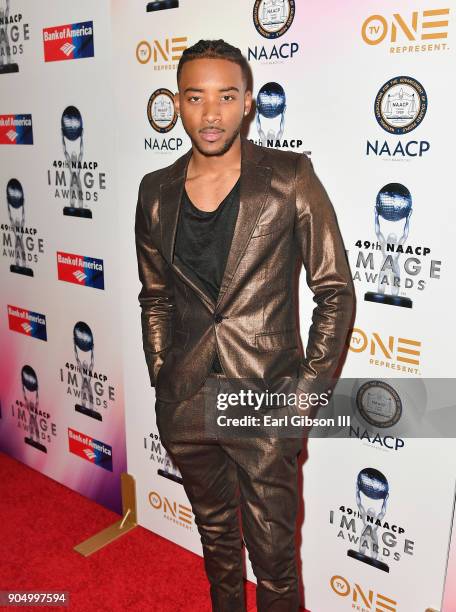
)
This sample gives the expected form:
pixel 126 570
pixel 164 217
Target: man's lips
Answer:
pixel 211 135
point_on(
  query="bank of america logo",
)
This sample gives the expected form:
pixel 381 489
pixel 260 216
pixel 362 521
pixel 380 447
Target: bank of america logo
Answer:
pixel 27 322
pixel 68 42
pixel 80 270
pixel 80 276
pixel 15 129
pixel 67 48
pixel 89 449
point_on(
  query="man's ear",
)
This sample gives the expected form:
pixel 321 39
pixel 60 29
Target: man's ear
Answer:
pixel 176 102
pixel 247 102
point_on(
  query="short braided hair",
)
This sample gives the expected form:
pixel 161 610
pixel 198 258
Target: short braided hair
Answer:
pixel 215 49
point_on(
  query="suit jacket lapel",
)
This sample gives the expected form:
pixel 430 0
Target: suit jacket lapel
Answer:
pixel 254 186
pixel 170 198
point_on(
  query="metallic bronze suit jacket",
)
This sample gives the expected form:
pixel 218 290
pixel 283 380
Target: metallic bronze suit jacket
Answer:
pixel 285 217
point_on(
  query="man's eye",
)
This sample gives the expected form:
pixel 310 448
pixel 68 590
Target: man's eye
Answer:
pixel 228 97
pixel 194 98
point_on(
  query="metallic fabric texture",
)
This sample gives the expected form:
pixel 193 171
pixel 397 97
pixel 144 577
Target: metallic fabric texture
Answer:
pixel 257 476
pixel 285 218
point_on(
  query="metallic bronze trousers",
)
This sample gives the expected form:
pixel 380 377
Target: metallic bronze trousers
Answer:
pixel 264 471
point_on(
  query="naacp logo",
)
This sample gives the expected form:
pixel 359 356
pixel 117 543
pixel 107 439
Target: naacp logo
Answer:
pixel 379 404
pixel 400 105
pixel 272 18
pixel 161 112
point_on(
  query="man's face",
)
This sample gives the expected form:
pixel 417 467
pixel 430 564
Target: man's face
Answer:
pixel 212 102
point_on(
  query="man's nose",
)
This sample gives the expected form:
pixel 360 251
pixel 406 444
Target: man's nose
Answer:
pixel 212 112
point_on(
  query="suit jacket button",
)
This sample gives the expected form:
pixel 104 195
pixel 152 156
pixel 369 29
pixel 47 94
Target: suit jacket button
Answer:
pixel 218 318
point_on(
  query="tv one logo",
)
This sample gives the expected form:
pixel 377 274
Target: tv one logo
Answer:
pixel 424 26
pixel 165 51
pixel 172 510
pixel 403 350
pixel 362 599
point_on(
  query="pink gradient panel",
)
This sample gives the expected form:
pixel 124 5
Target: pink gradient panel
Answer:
pixel 88 479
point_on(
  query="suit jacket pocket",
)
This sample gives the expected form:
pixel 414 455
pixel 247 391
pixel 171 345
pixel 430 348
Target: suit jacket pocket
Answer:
pixel 263 229
pixel 276 340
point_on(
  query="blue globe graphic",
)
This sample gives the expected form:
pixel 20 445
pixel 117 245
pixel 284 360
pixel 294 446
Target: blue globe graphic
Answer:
pixel 394 202
pixel 29 379
pixel 83 337
pixel 71 123
pixel 373 483
pixel 271 100
pixel 14 193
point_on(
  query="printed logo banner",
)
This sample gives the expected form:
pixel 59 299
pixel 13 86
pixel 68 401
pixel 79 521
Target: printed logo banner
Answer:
pixel 68 42
pixel 16 129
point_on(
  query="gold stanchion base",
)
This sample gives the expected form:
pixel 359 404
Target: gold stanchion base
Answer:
pixel 126 524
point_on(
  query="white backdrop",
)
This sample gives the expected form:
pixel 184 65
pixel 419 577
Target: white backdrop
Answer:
pixel 331 76
pixel 333 61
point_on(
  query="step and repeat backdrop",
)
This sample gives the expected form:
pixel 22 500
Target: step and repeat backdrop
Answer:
pixel 62 407
pixel 365 89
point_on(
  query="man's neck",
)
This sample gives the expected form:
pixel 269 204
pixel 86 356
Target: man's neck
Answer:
pixel 215 165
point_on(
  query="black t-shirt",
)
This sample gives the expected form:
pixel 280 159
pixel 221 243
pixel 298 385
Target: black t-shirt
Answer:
pixel 203 242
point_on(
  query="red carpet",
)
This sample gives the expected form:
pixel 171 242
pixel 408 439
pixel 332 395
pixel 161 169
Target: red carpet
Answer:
pixel 41 521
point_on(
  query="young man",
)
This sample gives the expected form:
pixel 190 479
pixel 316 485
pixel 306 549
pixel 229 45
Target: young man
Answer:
pixel 218 237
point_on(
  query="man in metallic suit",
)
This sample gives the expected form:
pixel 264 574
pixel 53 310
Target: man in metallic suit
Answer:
pixel 219 236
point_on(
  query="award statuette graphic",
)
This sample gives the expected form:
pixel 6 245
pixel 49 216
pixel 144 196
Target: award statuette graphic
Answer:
pixel 16 213
pixel 394 203
pixel 170 471
pixel 30 393
pixel 83 341
pixel 6 65
pixel 161 5
pixel 270 105
pixel 374 486
pixel 72 130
